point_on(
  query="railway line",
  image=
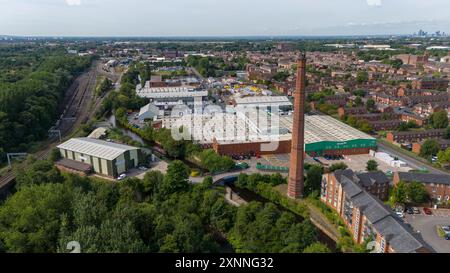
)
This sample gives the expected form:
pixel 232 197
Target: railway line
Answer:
pixel 75 110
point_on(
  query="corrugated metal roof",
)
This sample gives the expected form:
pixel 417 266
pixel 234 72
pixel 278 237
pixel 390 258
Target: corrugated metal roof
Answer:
pixel 320 128
pixel 95 147
pixel 282 100
pixel 169 92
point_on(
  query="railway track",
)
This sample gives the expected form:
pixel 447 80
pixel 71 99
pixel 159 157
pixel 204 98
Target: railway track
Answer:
pixel 76 111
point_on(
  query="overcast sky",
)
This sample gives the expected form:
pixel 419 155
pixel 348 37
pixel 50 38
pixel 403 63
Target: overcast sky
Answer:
pixel 221 17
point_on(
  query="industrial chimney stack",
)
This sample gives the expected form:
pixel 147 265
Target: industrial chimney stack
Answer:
pixel 296 179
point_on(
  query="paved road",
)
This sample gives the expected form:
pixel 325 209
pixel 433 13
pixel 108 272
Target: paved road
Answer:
pixel 426 225
pixel 414 163
pixel 193 70
pixel 251 170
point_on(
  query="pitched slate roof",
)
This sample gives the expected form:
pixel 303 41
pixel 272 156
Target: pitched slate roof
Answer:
pixel 364 179
pixel 396 234
pixel 425 178
pixel 368 179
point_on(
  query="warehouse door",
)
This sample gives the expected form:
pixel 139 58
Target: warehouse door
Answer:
pixel 121 168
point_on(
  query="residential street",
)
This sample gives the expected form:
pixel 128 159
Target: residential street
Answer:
pixel 412 162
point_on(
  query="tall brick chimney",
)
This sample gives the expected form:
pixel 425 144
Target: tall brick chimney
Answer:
pixel 296 183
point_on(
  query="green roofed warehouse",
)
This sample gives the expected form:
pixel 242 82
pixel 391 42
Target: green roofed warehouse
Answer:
pixel 106 158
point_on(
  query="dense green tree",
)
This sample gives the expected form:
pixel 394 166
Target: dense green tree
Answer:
pixel 429 148
pixel 362 77
pixel 358 101
pixel 215 163
pixel 261 228
pixel 416 192
pixel 409 192
pixel 30 219
pixel 359 92
pixel 338 166
pixel 439 120
pixel 176 179
pixel 29 104
pixel 38 172
pixel 399 194
pixel 55 155
pixel 222 215
pixel 152 182
pixel 444 157
pixel 316 248
pixel 313 179
pixel 370 105
pixel 372 166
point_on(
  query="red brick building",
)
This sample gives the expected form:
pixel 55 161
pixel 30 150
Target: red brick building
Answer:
pixel 366 216
pixel 431 83
pixel 347 111
pixel 414 136
pixel 390 124
pixel 437 185
pixel 443 145
pixel 414 60
pixel 421 121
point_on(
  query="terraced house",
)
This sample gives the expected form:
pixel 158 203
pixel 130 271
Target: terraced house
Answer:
pixel 367 218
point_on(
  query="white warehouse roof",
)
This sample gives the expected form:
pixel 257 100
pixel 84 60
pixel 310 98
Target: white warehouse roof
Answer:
pixel 320 128
pixel 96 148
pixel 264 100
pixel 170 92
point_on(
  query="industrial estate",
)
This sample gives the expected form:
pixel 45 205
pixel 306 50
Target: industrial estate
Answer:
pixel 224 145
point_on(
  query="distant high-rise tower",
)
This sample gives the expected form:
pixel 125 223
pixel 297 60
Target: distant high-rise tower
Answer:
pixel 296 180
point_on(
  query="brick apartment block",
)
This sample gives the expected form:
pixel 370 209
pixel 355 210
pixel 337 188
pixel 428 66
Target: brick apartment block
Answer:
pixel 366 216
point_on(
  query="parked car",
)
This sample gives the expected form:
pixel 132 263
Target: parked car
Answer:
pixel 122 176
pixel 400 214
pixel 416 210
pixel 447 237
pixel 142 168
pixel 446 229
pixel 427 211
pixel 410 210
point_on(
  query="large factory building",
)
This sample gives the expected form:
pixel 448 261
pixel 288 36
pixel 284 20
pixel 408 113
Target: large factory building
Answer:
pixel 324 135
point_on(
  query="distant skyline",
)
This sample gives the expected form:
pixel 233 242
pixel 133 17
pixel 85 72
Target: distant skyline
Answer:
pixel 164 18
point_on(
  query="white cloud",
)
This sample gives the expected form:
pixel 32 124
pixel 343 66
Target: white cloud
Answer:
pixel 73 2
pixel 376 3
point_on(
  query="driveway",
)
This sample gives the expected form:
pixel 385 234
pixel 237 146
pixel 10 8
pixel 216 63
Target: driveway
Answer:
pixel 426 225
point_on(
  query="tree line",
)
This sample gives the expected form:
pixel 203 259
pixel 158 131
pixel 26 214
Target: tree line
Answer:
pixel 160 213
pixel 29 104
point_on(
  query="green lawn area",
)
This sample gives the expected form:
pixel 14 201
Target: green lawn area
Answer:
pixel 440 231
